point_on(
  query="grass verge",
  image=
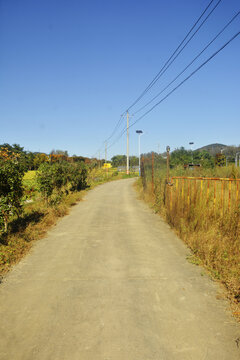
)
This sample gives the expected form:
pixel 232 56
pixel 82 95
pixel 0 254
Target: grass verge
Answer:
pixel 214 242
pixel 33 224
pixel 37 218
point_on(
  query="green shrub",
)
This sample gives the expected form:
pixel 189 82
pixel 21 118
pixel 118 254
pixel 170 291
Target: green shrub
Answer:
pixel 54 178
pixel 11 190
pixel 45 180
pixel 78 177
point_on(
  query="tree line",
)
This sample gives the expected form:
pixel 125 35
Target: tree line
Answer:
pixel 204 158
pixel 55 178
pixel 32 160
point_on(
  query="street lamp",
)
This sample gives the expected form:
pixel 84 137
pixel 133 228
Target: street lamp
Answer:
pixel 237 156
pixel 191 143
pixel 139 132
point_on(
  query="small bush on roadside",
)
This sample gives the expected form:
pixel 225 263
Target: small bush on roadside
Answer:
pixel 11 190
pixel 78 177
pixel 57 177
pixel 45 180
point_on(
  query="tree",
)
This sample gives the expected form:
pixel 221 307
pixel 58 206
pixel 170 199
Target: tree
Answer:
pixel 40 159
pixel 119 160
pixel 220 159
pixel 52 177
pixel 133 161
pixel 59 152
pixel 182 157
pixel 78 177
pixel 56 177
pixel 45 180
pixel 11 187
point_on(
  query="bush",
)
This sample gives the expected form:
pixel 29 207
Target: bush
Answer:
pixel 78 177
pixel 11 190
pixel 58 176
pixel 45 180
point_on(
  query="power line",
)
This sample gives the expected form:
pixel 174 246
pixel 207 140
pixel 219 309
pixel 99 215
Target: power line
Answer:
pixel 187 78
pixel 180 84
pixel 116 127
pixel 113 132
pixel 158 75
pixel 169 62
pixel 196 57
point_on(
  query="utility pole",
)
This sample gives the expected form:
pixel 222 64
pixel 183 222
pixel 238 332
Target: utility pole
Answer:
pixel 168 162
pixel 139 132
pixel 99 162
pixel 127 143
pixel 152 172
pixel 191 145
pixel 236 159
pixel 105 151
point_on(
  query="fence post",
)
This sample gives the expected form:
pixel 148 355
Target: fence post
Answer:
pixel 168 162
pixel 214 196
pixel 237 192
pixel 143 173
pixel 208 183
pixel 170 189
pixel 222 197
pixel 188 197
pixel 183 195
pixel 176 197
pixel 229 194
pixel 152 172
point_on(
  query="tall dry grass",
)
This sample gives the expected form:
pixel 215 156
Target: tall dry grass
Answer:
pixel 209 224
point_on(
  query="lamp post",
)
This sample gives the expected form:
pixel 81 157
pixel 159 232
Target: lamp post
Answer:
pixel 139 132
pixel 237 156
pixel 191 144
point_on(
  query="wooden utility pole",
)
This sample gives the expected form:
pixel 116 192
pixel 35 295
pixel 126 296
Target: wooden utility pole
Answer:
pixel 105 152
pixel 152 172
pixel 168 162
pixel 127 143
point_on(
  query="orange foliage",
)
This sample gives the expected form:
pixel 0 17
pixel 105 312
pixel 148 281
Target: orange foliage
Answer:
pixel 6 155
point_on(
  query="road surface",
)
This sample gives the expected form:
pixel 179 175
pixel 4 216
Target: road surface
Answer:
pixel 111 282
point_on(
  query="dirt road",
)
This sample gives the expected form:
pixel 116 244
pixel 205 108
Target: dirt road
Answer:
pixel 111 282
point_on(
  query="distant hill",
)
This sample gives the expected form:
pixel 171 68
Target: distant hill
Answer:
pixel 228 150
pixel 213 149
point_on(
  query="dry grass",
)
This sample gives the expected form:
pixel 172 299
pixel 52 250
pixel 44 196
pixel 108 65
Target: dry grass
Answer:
pixel 37 218
pixel 31 226
pixel 211 234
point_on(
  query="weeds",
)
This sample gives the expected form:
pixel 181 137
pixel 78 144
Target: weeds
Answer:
pixel 207 224
pixel 38 216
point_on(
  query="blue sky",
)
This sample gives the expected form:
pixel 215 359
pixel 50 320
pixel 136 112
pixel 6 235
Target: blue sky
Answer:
pixel 68 69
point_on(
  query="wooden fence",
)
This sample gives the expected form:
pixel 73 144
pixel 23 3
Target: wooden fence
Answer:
pixel 219 194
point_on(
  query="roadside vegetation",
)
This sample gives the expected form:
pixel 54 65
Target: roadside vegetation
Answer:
pixel 31 201
pixel 206 215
